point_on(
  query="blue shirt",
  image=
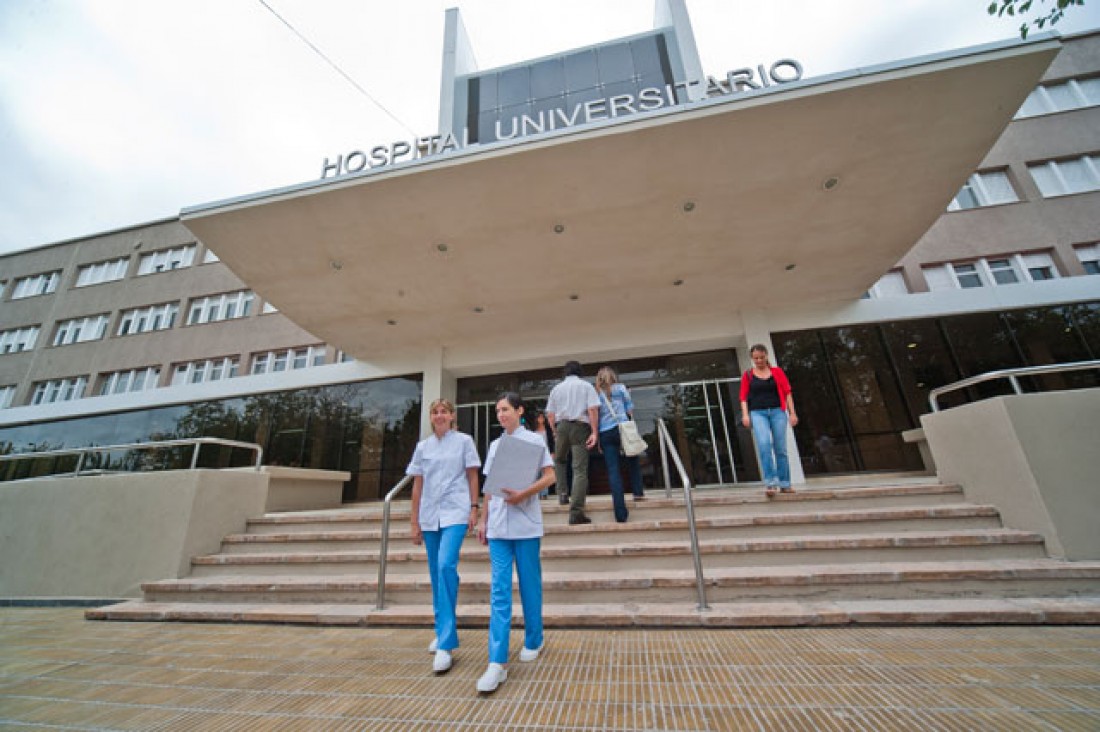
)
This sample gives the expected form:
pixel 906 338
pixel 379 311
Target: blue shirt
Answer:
pixel 523 521
pixel 442 462
pixel 620 399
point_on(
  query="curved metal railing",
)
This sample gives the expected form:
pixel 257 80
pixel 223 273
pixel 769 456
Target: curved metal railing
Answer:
pixel 1010 374
pixel 383 550
pixel 665 440
pixel 82 452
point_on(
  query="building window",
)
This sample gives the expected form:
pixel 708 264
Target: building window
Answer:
pixel 1062 97
pixel 268 308
pixel 994 271
pixel 293 358
pixel 59 390
pixel 220 307
pixel 1063 177
pixel 41 284
pixel 144 320
pixel 7 393
pixel 208 257
pixel 93 274
pixel 198 372
pixel 18 339
pixel 121 382
pixel 80 330
pixel 1089 255
pixel 166 260
pixel 890 284
pixel 984 189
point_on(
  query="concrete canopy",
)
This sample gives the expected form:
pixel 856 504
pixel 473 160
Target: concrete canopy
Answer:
pixel 445 250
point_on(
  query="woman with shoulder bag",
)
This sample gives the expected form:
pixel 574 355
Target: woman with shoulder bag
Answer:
pixel 615 407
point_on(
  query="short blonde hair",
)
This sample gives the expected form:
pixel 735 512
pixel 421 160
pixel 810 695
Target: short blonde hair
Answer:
pixel 446 404
pixel 606 378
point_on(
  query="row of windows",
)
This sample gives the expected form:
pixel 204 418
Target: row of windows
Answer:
pixel 1053 178
pixel 110 270
pixel 1061 97
pixel 192 372
pixel 985 272
pixel 138 320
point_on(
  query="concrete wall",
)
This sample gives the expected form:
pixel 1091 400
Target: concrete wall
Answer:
pixel 1033 456
pixel 303 489
pixel 102 536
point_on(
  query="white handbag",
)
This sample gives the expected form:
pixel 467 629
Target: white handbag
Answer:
pixel 629 437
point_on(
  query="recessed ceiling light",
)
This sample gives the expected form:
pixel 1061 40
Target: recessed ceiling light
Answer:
pixel 689 206
pixel 677 283
pixel 574 297
pixel 442 247
pixel 789 267
pixel 559 228
pixel 391 322
pixel 479 309
pixel 830 183
pixel 336 265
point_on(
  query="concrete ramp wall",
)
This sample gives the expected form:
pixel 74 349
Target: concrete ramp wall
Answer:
pixel 102 536
pixel 1036 457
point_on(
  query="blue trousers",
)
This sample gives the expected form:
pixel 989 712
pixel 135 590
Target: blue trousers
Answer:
pixel 769 426
pixel 443 547
pixel 524 554
pixel 611 444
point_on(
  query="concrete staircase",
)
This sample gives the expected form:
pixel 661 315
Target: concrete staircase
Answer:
pixel 909 552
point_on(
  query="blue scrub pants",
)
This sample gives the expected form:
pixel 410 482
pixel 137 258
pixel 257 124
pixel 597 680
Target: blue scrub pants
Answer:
pixel 524 553
pixel 443 547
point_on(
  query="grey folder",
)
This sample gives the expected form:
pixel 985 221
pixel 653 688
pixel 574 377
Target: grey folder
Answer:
pixel 515 465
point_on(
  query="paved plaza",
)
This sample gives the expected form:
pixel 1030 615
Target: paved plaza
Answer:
pixel 59 671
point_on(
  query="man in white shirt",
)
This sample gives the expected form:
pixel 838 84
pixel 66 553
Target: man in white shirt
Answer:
pixel 573 413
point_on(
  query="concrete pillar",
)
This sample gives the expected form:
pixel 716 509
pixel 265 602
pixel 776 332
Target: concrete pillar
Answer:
pixel 438 384
pixel 756 329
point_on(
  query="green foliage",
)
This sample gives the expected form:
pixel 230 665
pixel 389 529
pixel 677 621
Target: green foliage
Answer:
pixel 1013 8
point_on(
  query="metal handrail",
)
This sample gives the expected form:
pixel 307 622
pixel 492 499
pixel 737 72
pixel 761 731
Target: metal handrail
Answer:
pixel 383 551
pixel 81 452
pixel 667 447
pixel 1011 375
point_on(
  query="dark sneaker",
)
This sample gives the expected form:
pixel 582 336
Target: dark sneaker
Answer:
pixel 582 519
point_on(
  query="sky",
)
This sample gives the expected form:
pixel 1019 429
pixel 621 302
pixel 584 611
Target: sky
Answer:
pixel 115 113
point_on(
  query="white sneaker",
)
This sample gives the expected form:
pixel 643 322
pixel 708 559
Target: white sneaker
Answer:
pixel 529 654
pixel 433 646
pixel 493 677
pixel 442 662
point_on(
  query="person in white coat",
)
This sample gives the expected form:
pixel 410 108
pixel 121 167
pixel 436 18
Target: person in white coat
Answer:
pixel 512 526
pixel 444 509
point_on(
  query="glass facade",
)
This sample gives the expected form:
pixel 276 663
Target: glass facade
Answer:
pixel 857 388
pixel 504 96
pixel 367 428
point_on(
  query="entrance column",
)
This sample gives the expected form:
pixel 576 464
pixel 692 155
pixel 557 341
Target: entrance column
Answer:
pixel 756 329
pixel 438 384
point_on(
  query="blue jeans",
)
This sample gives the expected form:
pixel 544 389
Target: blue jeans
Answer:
pixel 612 447
pixel 769 426
pixel 524 553
pixel 443 547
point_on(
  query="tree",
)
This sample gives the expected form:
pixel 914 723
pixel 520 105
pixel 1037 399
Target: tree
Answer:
pixel 1019 8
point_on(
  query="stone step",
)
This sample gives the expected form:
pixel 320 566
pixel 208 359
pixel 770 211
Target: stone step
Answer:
pixel 657 555
pixel 720 501
pixel 765 525
pixel 968 611
pixel 868 580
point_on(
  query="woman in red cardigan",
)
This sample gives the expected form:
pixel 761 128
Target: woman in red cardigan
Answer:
pixel 766 403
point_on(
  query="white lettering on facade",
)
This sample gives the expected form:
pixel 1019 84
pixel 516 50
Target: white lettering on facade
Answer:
pixel 783 71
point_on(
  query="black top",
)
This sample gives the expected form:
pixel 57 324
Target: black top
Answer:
pixel 763 393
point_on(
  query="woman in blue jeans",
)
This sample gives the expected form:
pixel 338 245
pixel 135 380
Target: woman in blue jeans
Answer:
pixel 615 407
pixel 766 405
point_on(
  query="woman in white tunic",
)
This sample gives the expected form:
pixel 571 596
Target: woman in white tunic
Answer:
pixel 512 526
pixel 444 509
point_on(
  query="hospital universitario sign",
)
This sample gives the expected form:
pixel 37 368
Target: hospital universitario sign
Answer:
pixel 783 71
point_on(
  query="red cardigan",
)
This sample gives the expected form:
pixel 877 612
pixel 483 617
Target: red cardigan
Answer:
pixel 781 384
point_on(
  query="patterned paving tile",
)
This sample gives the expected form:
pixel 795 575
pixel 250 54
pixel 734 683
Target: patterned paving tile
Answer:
pixel 58 671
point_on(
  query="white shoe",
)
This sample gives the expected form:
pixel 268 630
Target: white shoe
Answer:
pixel 529 654
pixel 493 677
pixel 433 646
pixel 442 662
